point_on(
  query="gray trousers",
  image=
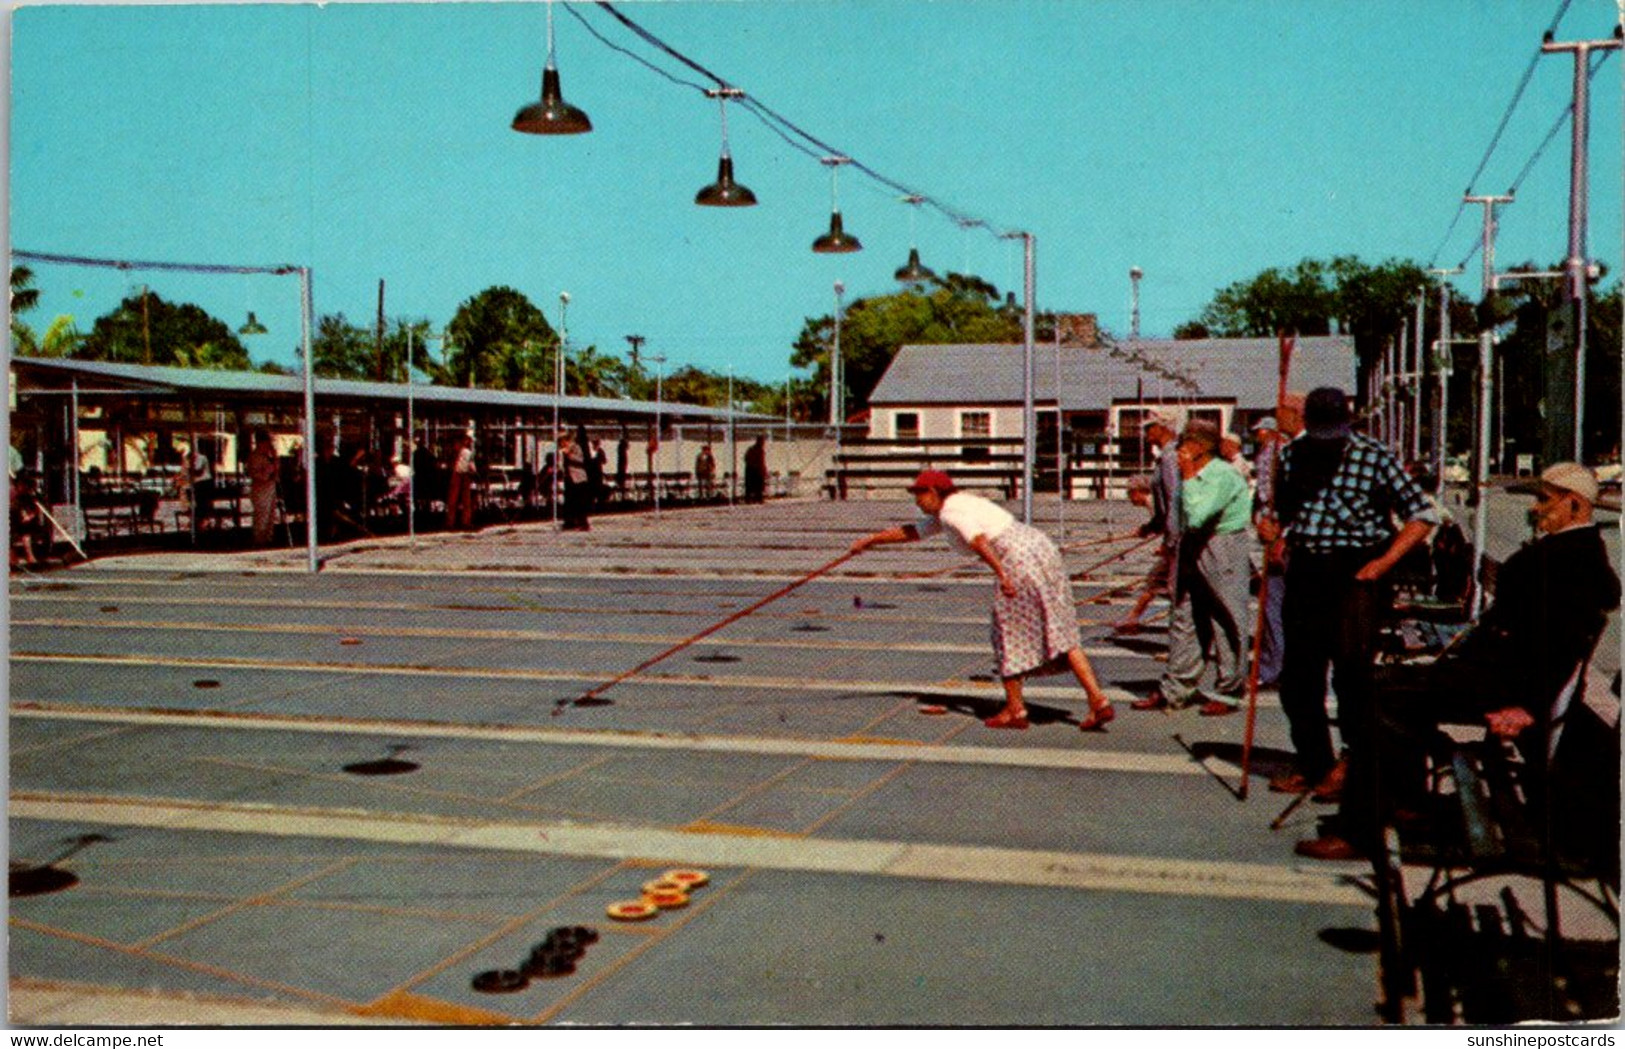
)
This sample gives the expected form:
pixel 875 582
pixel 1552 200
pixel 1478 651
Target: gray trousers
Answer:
pixel 1208 622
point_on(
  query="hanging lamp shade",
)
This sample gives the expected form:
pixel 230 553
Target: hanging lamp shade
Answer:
pixel 837 241
pixel 552 115
pixel 914 272
pixel 252 326
pixel 725 192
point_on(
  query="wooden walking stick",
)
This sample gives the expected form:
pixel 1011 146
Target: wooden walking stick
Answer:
pixel 586 698
pixel 1284 367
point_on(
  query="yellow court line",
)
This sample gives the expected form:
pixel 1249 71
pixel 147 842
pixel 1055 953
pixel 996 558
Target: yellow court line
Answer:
pixel 966 864
pixel 391 632
pixel 244 903
pixel 181 963
pixel 799 684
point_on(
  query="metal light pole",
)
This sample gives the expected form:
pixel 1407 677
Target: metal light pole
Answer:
pixel 558 395
pixel 654 472
pixel 835 365
pixel 1577 264
pixel 306 322
pixel 1029 440
pixel 1134 275
pixel 835 391
pixel 1443 366
pixel 733 444
pixel 1418 376
pixel 1486 363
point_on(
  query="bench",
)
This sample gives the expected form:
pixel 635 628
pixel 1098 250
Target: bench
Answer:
pixel 1547 814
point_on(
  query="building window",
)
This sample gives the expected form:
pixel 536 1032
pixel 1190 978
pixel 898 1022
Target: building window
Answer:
pixel 976 424
pixel 908 426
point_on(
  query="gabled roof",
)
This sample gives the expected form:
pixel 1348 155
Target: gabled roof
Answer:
pixel 204 382
pixel 1091 378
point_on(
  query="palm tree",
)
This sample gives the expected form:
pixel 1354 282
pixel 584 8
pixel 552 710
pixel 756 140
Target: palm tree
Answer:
pixel 24 296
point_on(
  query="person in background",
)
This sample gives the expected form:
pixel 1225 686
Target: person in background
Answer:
pixel 1162 426
pixel 1156 581
pixel 1035 625
pixel 705 471
pixel 573 470
pixel 1230 452
pixel 756 471
pixel 263 472
pixel 460 486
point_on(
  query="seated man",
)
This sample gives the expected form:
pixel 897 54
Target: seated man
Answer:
pixel 1552 600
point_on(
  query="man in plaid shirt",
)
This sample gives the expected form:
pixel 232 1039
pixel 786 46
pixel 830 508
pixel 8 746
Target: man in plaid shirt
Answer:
pixel 1338 497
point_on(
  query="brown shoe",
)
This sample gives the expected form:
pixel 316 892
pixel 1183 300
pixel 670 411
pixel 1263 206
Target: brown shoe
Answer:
pixel 1154 701
pixel 1290 783
pixel 1331 788
pixel 1328 847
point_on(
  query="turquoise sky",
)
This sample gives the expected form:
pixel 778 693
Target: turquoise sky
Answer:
pixel 1201 141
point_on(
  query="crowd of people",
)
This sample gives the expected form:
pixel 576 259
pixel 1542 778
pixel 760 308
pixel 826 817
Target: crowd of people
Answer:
pixel 1323 524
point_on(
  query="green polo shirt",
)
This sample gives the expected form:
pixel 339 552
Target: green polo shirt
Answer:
pixel 1217 498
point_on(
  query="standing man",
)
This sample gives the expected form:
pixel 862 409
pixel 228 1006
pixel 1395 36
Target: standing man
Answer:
pixel 756 471
pixel 460 490
pixel 263 469
pixel 1162 426
pixel 1210 579
pixel 1338 494
pixel 199 475
pixel 622 450
pixel 705 471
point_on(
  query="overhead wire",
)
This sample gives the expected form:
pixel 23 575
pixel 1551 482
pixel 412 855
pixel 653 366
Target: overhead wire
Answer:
pixel 1495 139
pixel 787 130
pixel 1564 115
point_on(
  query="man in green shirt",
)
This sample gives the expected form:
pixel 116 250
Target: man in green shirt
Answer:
pixel 1207 625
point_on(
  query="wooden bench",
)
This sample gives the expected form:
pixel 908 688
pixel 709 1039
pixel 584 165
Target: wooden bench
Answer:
pixel 1458 952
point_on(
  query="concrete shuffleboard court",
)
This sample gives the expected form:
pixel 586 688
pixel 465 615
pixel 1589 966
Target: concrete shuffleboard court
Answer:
pixel 242 794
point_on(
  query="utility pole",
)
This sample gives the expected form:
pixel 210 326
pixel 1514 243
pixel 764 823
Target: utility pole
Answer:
pixel 1134 275
pixel 378 342
pixel 1443 367
pixel 1577 265
pixel 1486 359
pixel 1418 376
pixel 637 342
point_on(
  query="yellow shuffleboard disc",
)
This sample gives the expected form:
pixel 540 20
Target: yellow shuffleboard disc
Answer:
pixel 666 899
pixel 687 880
pixel 632 910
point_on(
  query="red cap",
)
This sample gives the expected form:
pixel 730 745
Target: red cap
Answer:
pixel 933 481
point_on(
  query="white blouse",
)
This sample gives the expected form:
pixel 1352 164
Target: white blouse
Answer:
pixel 966 516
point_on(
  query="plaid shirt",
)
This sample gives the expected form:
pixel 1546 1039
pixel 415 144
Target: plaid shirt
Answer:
pixel 1356 509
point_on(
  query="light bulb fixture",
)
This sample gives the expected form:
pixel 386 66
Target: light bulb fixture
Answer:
pixel 552 115
pixel 252 326
pixel 725 192
pixel 837 241
pixel 913 272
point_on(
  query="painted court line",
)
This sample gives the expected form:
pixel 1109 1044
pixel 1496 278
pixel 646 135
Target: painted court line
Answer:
pixel 967 689
pixel 1098 872
pixel 1005 757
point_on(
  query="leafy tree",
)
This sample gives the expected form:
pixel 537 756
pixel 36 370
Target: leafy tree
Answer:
pixel 499 338
pixel 957 308
pixel 1344 295
pixel 24 296
pixel 179 334
pixel 342 350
